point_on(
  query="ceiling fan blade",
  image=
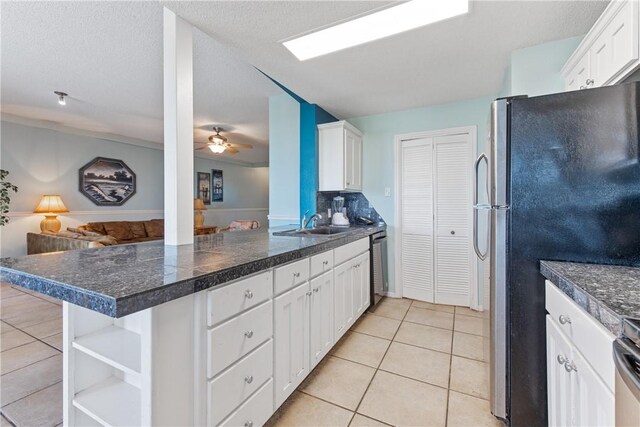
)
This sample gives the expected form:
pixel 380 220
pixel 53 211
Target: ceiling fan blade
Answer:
pixel 242 145
pixel 232 150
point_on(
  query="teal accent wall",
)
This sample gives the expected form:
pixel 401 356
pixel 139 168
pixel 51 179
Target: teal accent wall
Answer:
pixel 311 116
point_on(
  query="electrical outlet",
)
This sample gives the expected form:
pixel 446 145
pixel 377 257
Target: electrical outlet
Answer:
pixel 387 191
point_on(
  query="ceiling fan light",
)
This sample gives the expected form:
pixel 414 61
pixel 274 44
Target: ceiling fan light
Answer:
pixel 217 148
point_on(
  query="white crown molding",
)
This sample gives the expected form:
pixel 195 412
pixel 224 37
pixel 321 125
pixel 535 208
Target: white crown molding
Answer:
pixel 133 212
pixel 111 137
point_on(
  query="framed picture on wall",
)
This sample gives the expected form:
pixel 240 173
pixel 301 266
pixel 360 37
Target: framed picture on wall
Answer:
pixel 217 186
pixel 107 182
pixel 203 187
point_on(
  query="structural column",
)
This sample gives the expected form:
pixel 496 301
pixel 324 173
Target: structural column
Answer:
pixel 178 130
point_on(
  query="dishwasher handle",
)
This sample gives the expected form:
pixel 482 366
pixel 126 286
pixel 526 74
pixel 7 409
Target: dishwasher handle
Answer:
pixel 627 359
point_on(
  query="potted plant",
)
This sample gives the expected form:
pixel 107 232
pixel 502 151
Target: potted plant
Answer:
pixel 5 189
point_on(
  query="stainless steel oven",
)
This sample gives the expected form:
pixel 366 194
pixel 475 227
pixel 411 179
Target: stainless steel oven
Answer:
pixel 626 353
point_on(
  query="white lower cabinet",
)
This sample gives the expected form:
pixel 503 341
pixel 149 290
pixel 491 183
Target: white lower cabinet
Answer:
pixel 291 325
pixel 361 283
pixel 344 303
pixel 579 365
pixel 321 323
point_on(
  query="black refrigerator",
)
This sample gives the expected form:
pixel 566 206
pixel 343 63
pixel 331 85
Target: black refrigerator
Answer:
pixel 563 183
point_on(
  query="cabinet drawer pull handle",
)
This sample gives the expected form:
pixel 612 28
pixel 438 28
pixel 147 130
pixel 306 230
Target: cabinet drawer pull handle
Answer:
pixel 589 82
pixel 309 293
pixel 348 183
pixel 248 334
pixel 453 232
pixel 248 294
pixel 562 359
pixel 570 366
pixel 315 290
pixel 325 262
pixel 564 319
pixel 248 424
pixel 297 274
pixel 248 379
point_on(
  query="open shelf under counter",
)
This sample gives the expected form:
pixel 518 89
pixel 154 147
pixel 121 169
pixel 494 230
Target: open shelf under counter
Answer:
pixel 113 345
pixel 111 402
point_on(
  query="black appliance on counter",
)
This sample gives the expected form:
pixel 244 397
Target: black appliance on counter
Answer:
pixel 563 184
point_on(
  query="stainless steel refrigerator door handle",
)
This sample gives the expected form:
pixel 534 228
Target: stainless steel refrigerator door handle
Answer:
pixel 476 166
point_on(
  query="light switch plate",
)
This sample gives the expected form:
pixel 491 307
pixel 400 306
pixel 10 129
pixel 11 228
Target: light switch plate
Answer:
pixel 387 191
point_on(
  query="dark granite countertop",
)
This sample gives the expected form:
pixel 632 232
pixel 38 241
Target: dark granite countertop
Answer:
pixel 609 293
pixel 120 280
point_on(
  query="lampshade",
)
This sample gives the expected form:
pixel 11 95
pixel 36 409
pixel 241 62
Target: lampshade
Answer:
pixel 51 203
pixel 198 205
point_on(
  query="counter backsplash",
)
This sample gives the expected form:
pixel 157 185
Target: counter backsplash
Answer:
pixel 356 203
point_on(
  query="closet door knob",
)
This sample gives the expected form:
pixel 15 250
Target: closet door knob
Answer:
pixel 453 232
pixel 248 334
pixel 248 379
pixel 561 359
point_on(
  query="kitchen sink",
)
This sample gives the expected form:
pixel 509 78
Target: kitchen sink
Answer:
pixel 318 231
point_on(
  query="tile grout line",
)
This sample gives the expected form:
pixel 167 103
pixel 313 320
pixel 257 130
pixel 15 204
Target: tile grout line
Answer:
pixel 417 346
pixel 33 336
pixel 430 326
pixel 381 360
pixel 446 414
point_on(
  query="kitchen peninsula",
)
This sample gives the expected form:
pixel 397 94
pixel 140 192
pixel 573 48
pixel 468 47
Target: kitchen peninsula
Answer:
pixel 219 332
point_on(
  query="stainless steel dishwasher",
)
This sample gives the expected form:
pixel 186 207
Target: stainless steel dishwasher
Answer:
pixel 379 281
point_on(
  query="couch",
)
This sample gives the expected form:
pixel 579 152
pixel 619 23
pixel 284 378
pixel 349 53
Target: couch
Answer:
pixel 95 235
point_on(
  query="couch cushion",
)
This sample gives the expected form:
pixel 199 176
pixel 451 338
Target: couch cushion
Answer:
pixel 154 228
pixel 137 228
pixel 118 229
pixel 96 227
pixel 105 240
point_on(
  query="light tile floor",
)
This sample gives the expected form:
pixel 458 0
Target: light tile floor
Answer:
pixel 409 363
pixel 30 358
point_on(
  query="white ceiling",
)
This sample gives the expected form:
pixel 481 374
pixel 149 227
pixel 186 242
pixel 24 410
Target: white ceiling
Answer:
pixel 108 57
pixel 461 58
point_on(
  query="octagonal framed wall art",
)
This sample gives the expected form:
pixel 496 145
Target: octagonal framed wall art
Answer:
pixel 107 182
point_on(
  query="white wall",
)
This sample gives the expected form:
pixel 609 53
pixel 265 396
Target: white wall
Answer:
pixel 284 160
pixel 45 161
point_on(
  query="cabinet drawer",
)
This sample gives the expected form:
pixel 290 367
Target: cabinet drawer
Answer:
pixel 234 386
pixel 256 411
pixel 321 263
pixel 290 275
pixel 350 250
pixel 232 299
pixel 233 339
pixel 587 334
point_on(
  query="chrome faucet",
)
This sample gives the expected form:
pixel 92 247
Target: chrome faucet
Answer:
pixel 313 219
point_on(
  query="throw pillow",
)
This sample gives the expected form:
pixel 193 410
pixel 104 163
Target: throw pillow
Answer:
pixel 96 227
pixel 120 230
pixel 137 228
pixel 154 228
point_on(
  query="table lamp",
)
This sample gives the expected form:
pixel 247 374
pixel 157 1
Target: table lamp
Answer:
pixel 198 217
pixel 50 205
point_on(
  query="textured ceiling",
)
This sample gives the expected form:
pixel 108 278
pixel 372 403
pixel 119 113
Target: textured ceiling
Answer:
pixel 464 57
pixel 108 57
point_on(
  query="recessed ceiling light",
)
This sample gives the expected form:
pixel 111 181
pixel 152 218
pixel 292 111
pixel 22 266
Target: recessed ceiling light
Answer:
pixel 61 96
pixel 387 22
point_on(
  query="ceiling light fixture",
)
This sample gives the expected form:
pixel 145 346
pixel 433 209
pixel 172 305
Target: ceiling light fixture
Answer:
pixel 217 148
pixel 61 96
pixel 387 22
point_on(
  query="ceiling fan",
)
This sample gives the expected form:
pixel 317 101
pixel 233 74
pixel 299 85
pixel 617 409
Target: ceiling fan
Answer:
pixel 218 144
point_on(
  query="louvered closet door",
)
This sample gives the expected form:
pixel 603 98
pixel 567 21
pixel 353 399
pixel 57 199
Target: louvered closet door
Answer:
pixel 453 230
pixel 417 219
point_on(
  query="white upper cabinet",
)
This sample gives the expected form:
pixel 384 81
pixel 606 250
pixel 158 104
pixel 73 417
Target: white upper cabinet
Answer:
pixel 610 51
pixel 340 157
